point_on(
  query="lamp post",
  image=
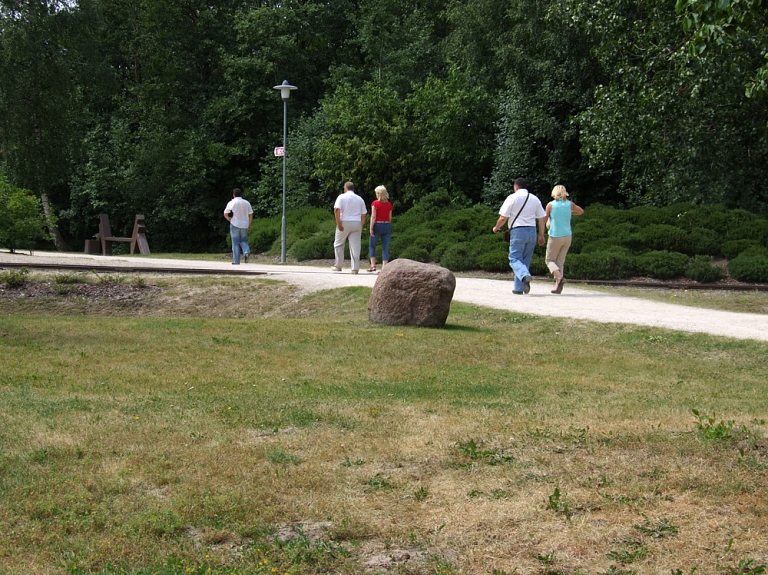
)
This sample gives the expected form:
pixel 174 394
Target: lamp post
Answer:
pixel 285 93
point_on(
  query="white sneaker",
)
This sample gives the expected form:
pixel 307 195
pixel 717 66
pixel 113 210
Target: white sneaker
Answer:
pixel 334 268
pixel 354 271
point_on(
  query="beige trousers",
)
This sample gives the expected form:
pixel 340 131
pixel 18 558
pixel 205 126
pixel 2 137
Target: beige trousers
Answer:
pixel 557 249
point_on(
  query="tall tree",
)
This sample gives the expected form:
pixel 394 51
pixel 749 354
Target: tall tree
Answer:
pixel 39 126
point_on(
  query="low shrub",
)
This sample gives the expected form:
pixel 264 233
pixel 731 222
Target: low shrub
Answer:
pixel 704 242
pixel 414 253
pixel 318 247
pixel 700 269
pixel 262 234
pixel 733 248
pixel 661 264
pixel 749 268
pixel 538 266
pixel 14 278
pixel 494 261
pixel 617 263
pixel 459 257
pixel 662 237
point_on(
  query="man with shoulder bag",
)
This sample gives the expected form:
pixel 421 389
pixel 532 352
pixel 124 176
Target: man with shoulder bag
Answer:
pixel 526 211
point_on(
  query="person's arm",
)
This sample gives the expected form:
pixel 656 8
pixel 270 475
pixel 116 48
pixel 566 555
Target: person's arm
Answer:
pixel 548 209
pixel 500 222
pixel 228 216
pixel 542 227
pixel 576 210
pixel 250 220
pixel 337 215
pixel 362 220
pixel 373 217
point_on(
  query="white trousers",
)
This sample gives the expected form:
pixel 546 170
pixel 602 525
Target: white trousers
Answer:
pixel 352 231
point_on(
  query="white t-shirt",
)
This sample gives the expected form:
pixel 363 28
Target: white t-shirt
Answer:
pixel 240 209
pixel 351 205
pixel 531 212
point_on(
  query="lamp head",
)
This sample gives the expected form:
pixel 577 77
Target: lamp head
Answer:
pixel 285 89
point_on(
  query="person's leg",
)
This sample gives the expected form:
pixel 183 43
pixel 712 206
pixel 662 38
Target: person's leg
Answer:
pixel 522 242
pixel 244 243
pixel 553 252
pixel 565 245
pixel 372 240
pixel 386 235
pixel 338 247
pixel 354 243
pixel 234 233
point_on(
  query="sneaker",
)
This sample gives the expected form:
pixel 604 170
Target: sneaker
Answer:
pixel 527 284
pixel 517 292
pixel 354 271
pixel 246 256
pixel 334 268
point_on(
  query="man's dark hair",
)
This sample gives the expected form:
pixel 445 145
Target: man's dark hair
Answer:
pixel 237 192
pixel 521 183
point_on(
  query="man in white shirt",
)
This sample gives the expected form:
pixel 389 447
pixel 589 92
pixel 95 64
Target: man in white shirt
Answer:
pixel 350 212
pixel 525 209
pixel 239 214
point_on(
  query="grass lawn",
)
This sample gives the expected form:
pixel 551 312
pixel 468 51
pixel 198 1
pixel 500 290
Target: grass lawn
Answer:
pixel 229 426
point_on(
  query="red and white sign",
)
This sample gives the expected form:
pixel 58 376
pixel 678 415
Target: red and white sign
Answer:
pixel 280 151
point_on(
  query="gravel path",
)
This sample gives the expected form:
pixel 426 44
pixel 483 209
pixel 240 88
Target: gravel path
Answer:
pixel 574 302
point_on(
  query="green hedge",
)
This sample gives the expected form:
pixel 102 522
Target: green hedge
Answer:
pixel 749 268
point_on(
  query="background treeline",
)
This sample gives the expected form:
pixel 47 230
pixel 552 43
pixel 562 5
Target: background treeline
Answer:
pixel 161 107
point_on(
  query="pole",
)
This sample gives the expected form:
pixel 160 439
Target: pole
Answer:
pixel 285 137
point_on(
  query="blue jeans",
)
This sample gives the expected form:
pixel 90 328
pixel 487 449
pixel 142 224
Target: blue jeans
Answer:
pixel 239 242
pixel 522 242
pixel 381 230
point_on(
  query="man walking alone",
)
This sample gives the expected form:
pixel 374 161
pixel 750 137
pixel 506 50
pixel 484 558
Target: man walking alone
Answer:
pixel 239 214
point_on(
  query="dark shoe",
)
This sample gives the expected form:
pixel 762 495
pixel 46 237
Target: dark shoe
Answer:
pixel 246 256
pixel 526 284
pixel 517 292
pixel 559 286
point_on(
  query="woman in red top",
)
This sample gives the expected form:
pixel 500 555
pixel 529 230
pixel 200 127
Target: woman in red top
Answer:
pixel 381 227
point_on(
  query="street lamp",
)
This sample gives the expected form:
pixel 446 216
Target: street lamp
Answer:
pixel 285 93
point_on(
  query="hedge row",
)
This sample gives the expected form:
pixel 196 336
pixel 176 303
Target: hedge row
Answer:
pixel 608 243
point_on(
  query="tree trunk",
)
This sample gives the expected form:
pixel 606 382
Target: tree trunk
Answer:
pixel 58 241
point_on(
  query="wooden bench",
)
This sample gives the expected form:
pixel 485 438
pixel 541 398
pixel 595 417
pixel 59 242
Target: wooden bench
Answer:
pixel 138 240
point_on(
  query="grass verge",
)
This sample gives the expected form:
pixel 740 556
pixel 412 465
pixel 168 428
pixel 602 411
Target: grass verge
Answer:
pixel 147 436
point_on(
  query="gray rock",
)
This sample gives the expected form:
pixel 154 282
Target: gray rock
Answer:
pixel 411 293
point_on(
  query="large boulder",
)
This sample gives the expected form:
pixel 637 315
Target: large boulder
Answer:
pixel 411 293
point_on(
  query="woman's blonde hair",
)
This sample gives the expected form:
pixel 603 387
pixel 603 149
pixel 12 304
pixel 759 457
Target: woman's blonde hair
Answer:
pixel 381 194
pixel 559 193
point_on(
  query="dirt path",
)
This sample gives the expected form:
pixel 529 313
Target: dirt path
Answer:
pixel 574 302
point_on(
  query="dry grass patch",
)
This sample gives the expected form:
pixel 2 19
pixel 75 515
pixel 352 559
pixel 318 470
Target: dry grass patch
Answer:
pixel 307 440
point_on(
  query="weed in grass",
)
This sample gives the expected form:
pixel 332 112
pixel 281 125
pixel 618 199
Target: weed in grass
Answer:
pixel 711 430
pixel 662 528
pixel 548 559
pixel 40 455
pixel 420 494
pixel 69 278
pixel 556 502
pixel 379 482
pixel 613 570
pixel 630 552
pixel 473 451
pixel 349 462
pixel 746 567
pixel 279 457
pixel 15 278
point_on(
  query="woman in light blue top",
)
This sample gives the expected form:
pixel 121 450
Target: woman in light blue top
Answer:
pixel 559 214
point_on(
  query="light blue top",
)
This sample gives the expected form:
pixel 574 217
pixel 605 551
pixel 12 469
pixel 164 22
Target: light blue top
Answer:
pixel 560 219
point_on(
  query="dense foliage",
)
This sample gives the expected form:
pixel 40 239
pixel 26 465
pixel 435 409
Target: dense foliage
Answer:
pixel 161 107
pixel 21 218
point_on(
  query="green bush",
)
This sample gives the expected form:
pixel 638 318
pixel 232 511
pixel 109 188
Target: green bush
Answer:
pixel 459 257
pixel 424 240
pixel 262 234
pixel 662 264
pixel 318 247
pixel 538 266
pixel 22 222
pixel 704 242
pixel 415 253
pixel 617 263
pixel 749 268
pixel 496 261
pixel 700 269
pixel 14 278
pixel 733 248
pixel 661 237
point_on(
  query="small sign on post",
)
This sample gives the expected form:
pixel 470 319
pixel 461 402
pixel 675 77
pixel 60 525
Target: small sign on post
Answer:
pixel 279 151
